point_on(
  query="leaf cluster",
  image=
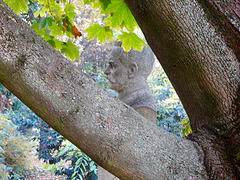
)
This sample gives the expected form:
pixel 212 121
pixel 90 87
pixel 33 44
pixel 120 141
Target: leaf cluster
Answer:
pixel 80 165
pixel 50 20
pixel 119 21
pixel 14 150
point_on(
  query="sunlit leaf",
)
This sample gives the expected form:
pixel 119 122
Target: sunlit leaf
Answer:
pixel 56 30
pixel 17 5
pixel 102 33
pixel 88 1
pixel 131 40
pixel 58 44
pixel 70 50
pixel 121 15
pixel 56 9
pixel 69 11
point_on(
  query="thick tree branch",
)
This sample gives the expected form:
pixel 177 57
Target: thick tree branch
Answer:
pixel 194 54
pixel 110 132
pixel 199 49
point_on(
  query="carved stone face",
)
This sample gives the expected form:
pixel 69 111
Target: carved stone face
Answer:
pixel 117 73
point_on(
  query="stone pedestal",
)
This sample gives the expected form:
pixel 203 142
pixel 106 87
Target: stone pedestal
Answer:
pixel 105 175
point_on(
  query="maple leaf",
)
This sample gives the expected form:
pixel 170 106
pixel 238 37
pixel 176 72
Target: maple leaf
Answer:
pixel 46 21
pixel 17 5
pixel 88 1
pixel 69 11
pixel 131 40
pixel 70 50
pixel 121 14
pixel 102 33
pixel 56 30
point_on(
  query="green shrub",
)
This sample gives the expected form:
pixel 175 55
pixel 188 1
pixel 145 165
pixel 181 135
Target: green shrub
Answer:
pixel 14 149
pixel 170 112
pixel 74 163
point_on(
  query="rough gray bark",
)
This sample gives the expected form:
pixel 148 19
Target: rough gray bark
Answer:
pixel 110 132
pixel 199 48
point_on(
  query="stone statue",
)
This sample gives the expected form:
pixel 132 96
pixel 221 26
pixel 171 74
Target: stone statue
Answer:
pixel 127 73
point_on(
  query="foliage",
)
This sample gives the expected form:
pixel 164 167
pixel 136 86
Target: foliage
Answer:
pixel 22 116
pixel 130 40
pixel 102 33
pixel 51 148
pixel 14 149
pixel 81 166
pixel 52 20
pixel 119 22
pixel 17 5
pixel 170 112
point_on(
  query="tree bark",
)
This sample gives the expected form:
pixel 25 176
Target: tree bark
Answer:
pixel 199 48
pixel 110 132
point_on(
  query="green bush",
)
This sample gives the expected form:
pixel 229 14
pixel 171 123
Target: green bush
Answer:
pixel 170 112
pixel 74 163
pixel 14 149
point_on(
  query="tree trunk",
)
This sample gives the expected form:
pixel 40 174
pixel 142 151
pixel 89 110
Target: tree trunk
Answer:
pixel 199 49
pixel 110 132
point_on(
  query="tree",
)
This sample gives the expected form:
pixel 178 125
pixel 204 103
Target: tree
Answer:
pixel 197 46
pixel 203 49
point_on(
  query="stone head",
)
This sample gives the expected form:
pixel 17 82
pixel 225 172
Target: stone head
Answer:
pixel 125 68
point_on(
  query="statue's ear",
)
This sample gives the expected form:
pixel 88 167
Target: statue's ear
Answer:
pixel 132 69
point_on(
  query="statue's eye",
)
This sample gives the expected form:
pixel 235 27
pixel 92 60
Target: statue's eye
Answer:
pixel 112 64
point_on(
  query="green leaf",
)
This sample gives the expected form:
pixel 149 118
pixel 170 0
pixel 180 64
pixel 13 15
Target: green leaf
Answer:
pixel 81 172
pixel 63 151
pixel 50 40
pixel 78 161
pixel 88 1
pixel 50 167
pixel 104 3
pixel 41 12
pixel 102 33
pixel 92 164
pixel 74 174
pixel 43 1
pixel 17 5
pixel 80 177
pixel 70 50
pixel 56 8
pixel 187 129
pixel 58 44
pixel 41 32
pixel 56 30
pixel 46 166
pixel 53 168
pixel 131 40
pixel 69 11
pixel 46 21
pixel 121 15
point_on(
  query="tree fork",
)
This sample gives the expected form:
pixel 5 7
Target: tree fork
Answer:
pixel 199 49
pixel 110 132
